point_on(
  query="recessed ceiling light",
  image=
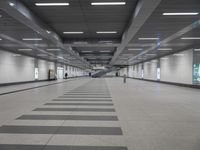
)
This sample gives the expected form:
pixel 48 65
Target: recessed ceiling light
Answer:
pixel 135 49
pixel 25 49
pixel 148 38
pixel 164 49
pixel 178 54
pixel 79 32
pixel 48 31
pixel 17 55
pixel 52 4
pixel 105 51
pixel 0 39
pixel 53 49
pixel 31 39
pixel 106 32
pixel 164 58
pixel 86 51
pixel 108 3
pixel 150 54
pixel 190 38
pixel 181 14
pixel 11 4
pixel 197 50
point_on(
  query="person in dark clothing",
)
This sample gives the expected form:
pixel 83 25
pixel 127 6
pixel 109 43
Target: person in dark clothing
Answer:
pixel 66 75
pixel 124 78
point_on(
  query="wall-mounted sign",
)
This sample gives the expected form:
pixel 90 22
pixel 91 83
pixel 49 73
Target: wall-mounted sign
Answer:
pixel 36 73
pixel 158 73
pixel 196 73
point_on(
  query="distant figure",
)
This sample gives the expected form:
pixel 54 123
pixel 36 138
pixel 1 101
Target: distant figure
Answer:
pixel 66 75
pixel 116 74
pixel 124 78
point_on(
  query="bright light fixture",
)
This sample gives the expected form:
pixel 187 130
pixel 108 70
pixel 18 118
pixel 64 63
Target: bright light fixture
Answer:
pixel 25 49
pixel 135 49
pixel 105 51
pixel 181 14
pixel 178 54
pixel 86 51
pixel 164 49
pixel 53 49
pixel 106 32
pixel 150 54
pixel 197 50
pixel 16 55
pixel 148 38
pixel 59 57
pixel 164 58
pixel 31 39
pixel 79 32
pixel 52 4
pixel 0 39
pixel 108 3
pixel 190 38
pixel 11 4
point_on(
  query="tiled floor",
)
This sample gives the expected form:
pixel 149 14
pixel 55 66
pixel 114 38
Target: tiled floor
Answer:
pixel 101 114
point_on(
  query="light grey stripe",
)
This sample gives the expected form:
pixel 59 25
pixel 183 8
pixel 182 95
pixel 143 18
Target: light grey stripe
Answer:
pixel 88 94
pixel 85 96
pixel 57 147
pixel 85 104
pixel 61 130
pixel 68 117
pixel 76 109
pixel 94 100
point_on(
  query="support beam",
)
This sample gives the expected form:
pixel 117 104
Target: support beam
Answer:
pixel 142 12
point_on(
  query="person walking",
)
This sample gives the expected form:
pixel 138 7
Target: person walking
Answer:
pixel 124 78
pixel 66 75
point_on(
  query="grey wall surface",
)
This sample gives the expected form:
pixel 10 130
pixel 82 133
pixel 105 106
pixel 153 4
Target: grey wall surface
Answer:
pixel 15 69
pixel 22 68
pixel 177 68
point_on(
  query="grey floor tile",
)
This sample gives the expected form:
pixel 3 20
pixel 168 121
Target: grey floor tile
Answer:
pixel 76 130
pixel 89 104
pixel 76 109
pixel 68 117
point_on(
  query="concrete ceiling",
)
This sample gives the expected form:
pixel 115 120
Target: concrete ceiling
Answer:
pixel 136 19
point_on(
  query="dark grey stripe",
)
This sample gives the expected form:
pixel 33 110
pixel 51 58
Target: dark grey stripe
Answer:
pixel 76 130
pixel 94 100
pixel 57 147
pixel 68 117
pixel 82 104
pixel 76 109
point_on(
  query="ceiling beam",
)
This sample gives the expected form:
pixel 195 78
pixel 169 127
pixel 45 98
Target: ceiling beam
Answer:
pixel 143 11
pixel 21 13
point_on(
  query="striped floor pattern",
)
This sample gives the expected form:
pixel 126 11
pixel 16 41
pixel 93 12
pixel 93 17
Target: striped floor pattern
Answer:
pixel 82 119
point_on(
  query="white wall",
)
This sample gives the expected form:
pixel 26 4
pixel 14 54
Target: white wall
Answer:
pixel 44 67
pixel 177 68
pixel 150 70
pixel 15 69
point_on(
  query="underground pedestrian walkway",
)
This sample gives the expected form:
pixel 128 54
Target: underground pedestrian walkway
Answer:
pixel 101 114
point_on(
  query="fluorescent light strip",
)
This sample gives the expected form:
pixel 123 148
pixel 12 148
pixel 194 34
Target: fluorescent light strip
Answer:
pixel 197 50
pixel 25 49
pixel 190 38
pixel 148 38
pixel 86 51
pixel 164 49
pixel 52 4
pixel 31 39
pixel 106 32
pixel 181 14
pixel 151 54
pixel 178 54
pixel 53 49
pixel 135 49
pixel 73 32
pixel 105 51
pixel 107 3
